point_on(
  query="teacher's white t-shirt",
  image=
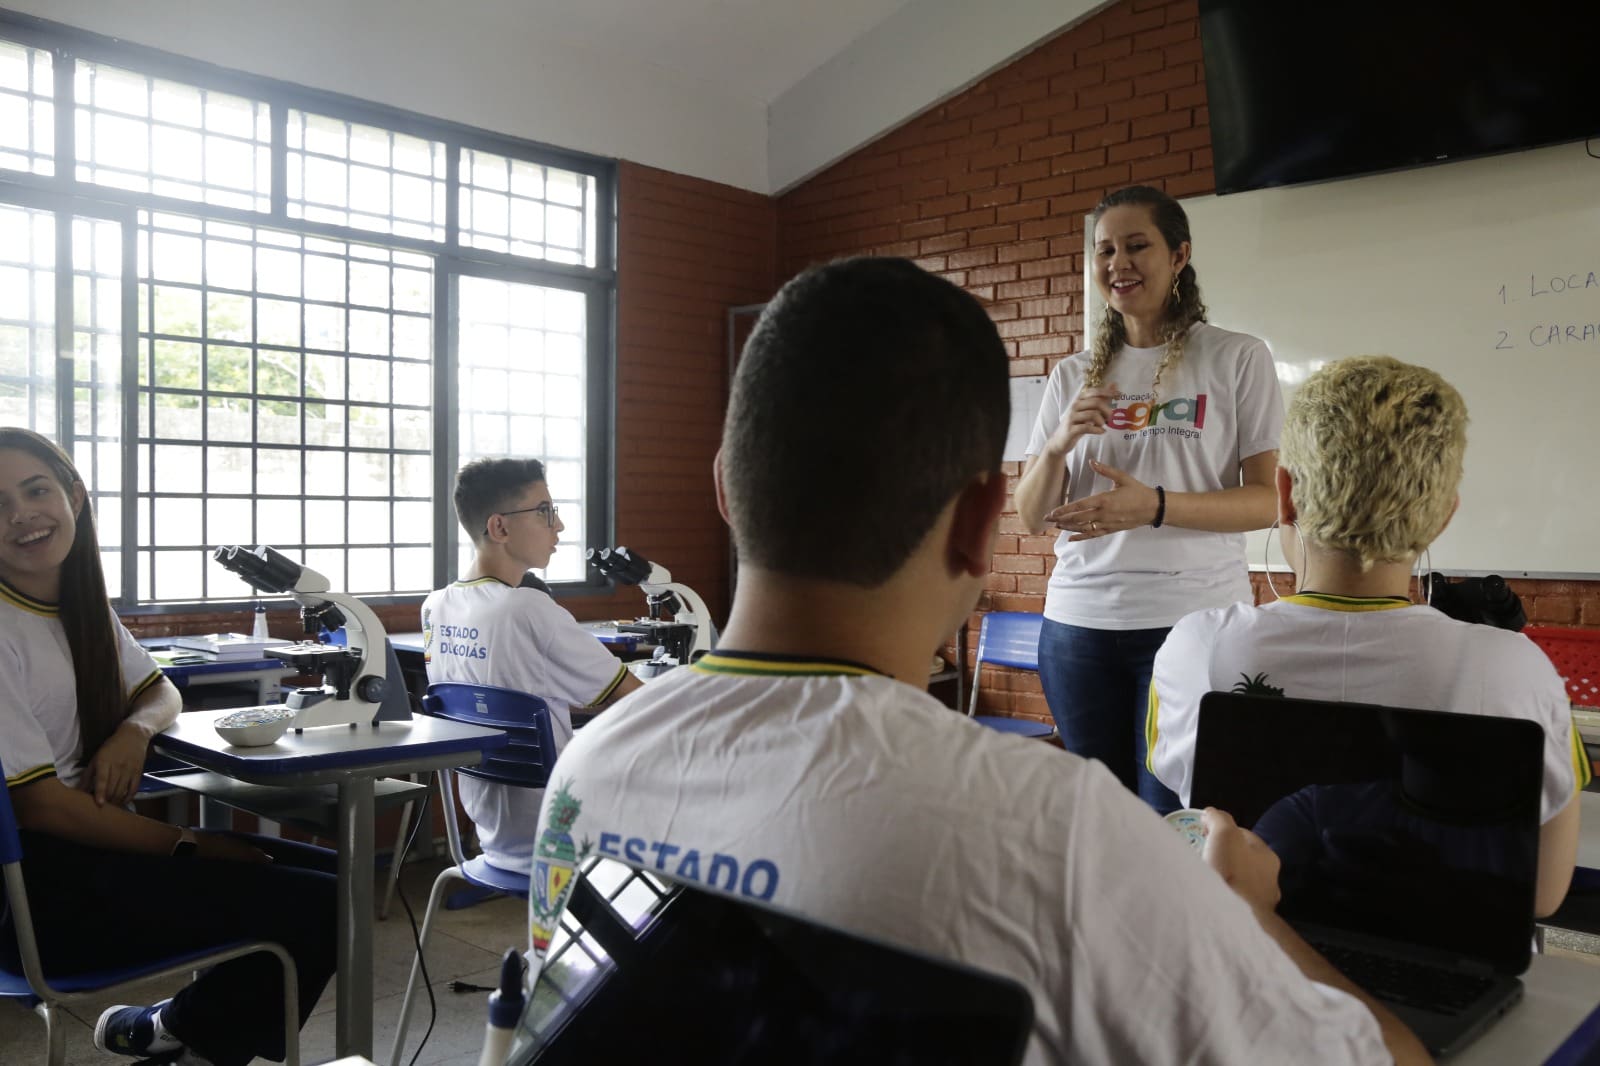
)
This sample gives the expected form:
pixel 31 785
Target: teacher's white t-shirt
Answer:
pixel 1219 405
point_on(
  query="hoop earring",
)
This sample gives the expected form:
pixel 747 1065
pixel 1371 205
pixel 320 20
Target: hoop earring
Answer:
pixel 1266 564
pixel 1428 594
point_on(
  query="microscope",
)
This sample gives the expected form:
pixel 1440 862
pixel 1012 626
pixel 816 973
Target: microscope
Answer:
pixel 688 634
pixel 361 679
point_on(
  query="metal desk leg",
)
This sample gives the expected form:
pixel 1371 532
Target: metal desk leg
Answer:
pixel 353 1022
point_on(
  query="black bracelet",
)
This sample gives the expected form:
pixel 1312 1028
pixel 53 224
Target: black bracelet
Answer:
pixel 1161 507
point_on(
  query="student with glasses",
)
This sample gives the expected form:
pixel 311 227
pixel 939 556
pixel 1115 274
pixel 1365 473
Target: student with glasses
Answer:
pixel 499 626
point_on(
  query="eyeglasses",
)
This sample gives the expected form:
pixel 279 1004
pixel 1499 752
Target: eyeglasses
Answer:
pixel 550 511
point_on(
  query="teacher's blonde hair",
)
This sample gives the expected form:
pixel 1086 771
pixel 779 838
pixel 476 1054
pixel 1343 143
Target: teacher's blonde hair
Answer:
pixel 1375 448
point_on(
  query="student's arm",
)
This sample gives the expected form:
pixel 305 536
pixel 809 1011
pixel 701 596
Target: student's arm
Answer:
pixel 1558 854
pixel 1044 479
pixel 1251 869
pixel 627 684
pixel 113 775
pixel 48 806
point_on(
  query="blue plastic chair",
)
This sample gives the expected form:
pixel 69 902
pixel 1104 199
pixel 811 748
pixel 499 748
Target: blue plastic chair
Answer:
pixel 1008 638
pixel 525 763
pixel 47 995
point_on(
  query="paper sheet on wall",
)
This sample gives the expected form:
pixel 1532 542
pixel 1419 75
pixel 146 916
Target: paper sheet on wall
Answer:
pixel 1026 396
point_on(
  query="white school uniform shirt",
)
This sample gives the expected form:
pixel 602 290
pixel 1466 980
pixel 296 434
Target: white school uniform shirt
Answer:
pixel 485 632
pixel 1219 405
pixel 860 802
pixel 39 692
pixel 1358 650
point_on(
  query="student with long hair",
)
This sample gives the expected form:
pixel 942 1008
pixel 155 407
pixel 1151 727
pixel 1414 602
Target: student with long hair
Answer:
pixel 79 702
pixel 1152 454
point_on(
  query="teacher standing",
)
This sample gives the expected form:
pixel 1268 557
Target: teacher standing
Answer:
pixel 1152 454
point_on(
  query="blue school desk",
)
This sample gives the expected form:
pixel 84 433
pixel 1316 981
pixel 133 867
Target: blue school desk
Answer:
pixel 350 758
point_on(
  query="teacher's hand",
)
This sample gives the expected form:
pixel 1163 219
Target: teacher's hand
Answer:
pixel 1129 504
pixel 1086 416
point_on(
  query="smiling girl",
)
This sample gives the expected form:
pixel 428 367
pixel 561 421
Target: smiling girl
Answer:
pixel 79 702
pixel 1152 454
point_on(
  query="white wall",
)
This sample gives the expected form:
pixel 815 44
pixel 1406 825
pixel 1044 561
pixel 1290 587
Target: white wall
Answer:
pixel 471 61
pixel 922 54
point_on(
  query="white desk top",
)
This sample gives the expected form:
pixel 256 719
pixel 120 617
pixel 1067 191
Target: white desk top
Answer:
pixel 1561 993
pixel 327 753
pixel 1589 830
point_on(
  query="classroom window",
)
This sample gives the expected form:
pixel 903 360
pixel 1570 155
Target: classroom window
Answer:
pixel 157 136
pixel 520 378
pixel 365 177
pixel 27 109
pixel 524 208
pixel 28 318
pixel 285 391
pixel 289 317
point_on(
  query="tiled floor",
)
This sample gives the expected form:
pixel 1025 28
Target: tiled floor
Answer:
pixel 466 944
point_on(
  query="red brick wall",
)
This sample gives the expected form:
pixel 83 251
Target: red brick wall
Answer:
pixel 990 188
pixel 687 250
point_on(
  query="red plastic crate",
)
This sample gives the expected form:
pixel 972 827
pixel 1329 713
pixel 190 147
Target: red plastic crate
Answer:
pixel 1576 654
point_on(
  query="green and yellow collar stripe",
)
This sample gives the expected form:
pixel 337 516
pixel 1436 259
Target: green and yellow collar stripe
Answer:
pixel 28 777
pixel 489 579
pixel 21 599
pixel 1328 602
pixel 761 664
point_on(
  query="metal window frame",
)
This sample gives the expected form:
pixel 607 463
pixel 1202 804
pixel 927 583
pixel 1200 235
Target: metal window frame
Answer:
pixel 62 193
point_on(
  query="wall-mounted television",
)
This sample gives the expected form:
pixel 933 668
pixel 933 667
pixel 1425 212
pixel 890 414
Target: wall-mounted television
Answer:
pixel 1303 91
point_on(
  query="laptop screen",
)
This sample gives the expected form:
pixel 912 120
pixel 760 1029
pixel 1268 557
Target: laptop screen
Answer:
pixel 708 978
pixel 1417 827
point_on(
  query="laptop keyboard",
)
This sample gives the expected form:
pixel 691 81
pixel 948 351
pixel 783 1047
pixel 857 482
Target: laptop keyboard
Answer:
pixel 1413 984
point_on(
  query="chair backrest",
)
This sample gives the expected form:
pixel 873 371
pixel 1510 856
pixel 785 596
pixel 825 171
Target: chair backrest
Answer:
pixel 526 760
pixel 722 979
pixel 1010 638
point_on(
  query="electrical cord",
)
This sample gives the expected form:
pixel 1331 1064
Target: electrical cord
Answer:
pixel 416 935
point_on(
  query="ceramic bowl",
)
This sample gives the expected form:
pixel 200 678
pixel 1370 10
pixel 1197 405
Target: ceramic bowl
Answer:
pixel 254 726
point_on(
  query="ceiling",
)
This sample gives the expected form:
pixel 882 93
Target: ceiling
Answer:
pixel 759 94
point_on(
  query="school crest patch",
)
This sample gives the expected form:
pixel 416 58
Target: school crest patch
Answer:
pixel 555 863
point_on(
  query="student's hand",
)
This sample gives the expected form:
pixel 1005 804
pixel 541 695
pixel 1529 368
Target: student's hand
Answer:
pixel 1242 859
pixel 227 847
pixel 1086 417
pixel 113 775
pixel 1130 504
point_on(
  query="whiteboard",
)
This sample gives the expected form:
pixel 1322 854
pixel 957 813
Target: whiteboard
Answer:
pixel 1027 396
pixel 1486 270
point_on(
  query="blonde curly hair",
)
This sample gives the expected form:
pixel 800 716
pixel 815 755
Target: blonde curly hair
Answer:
pixel 1183 311
pixel 1375 448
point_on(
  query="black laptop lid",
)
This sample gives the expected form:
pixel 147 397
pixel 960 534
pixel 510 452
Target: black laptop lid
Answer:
pixel 712 979
pixel 1420 827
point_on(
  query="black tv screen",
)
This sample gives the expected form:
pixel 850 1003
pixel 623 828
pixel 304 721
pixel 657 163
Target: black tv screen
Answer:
pixel 1305 92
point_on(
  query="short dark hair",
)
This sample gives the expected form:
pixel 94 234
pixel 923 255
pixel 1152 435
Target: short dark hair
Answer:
pixel 868 395
pixel 487 486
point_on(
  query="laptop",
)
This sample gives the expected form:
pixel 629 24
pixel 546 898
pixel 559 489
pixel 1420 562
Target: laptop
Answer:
pixel 707 978
pixel 1409 842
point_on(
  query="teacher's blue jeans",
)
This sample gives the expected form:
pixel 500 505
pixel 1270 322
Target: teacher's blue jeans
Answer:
pixel 1097 682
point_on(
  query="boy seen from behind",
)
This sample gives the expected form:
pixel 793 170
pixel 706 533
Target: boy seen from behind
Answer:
pixel 803 765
